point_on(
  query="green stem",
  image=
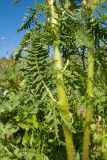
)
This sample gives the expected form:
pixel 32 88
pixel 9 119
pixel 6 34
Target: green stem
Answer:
pixel 86 140
pixel 63 101
pixel 62 97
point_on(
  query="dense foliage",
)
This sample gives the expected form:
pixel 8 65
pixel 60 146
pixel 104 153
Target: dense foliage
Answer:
pixel 31 118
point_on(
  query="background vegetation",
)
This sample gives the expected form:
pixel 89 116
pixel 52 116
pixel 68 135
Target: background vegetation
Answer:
pixel 53 103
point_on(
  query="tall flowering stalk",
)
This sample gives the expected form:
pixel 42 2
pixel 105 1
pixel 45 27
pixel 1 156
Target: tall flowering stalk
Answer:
pixel 62 97
pixel 90 79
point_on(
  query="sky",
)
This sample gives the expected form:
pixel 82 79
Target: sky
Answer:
pixel 11 16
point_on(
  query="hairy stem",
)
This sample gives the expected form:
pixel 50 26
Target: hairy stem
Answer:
pixel 86 140
pixel 63 99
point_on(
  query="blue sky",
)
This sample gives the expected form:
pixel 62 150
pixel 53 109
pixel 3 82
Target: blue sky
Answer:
pixel 11 16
